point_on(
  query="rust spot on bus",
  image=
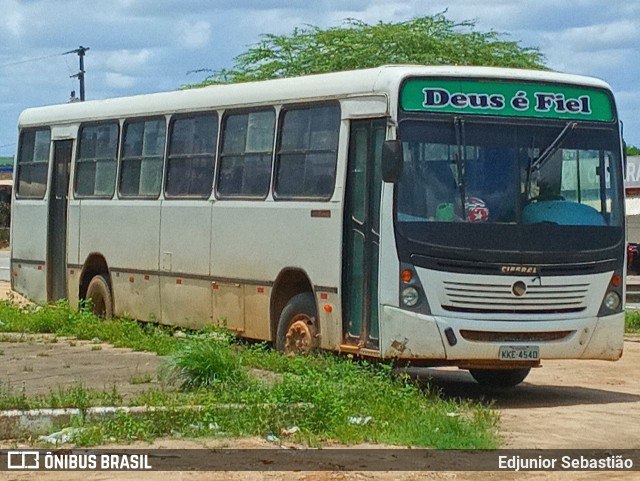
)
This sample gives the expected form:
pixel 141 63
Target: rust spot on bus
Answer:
pixel 398 346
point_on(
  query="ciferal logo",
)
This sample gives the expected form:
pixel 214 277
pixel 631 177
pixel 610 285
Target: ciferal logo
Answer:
pixel 23 460
pixel 519 269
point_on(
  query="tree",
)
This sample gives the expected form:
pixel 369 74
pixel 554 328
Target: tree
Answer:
pixel 633 150
pixel 428 40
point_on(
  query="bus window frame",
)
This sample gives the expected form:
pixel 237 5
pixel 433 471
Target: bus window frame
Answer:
pixel 76 159
pixel 17 194
pixel 278 150
pixel 167 157
pixel 120 157
pixel 219 157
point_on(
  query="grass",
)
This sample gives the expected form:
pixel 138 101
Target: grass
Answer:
pixel 632 322
pixel 60 320
pixel 74 397
pixel 324 397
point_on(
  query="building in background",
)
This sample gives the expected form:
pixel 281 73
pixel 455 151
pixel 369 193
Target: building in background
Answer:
pixel 632 191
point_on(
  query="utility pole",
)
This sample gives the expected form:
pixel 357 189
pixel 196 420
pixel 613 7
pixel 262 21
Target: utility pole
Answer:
pixel 80 75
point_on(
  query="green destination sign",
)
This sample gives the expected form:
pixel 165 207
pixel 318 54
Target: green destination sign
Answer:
pixel 506 98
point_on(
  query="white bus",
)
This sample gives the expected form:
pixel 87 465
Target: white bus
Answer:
pixel 458 216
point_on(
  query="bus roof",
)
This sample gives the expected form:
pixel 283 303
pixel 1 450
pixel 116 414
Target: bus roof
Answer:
pixel 312 87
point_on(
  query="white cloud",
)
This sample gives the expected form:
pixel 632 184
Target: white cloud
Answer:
pixel 597 63
pixel 193 35
pixel 599 37
pixel 12 19
pixel 127 61
pixel 119 81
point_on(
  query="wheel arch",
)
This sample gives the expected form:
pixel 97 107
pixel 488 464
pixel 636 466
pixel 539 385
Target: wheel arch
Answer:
pixel 289 283
pixel 95 264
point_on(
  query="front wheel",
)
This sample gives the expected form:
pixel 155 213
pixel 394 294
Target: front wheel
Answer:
pixel 500 377
pixel 298 326
pixel 101 299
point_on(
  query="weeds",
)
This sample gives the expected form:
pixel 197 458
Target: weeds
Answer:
pixel 145 378
pixel 205 363
pixel 73 397
pixel 312 400
pixel 632 321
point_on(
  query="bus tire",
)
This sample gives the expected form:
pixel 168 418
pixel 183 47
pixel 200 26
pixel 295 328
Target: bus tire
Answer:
pixel 298 326
pixel 99 293
pixel 500 377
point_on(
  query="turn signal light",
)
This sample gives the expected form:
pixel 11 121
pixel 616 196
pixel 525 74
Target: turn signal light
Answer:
pixel 616 280
pixel 406 275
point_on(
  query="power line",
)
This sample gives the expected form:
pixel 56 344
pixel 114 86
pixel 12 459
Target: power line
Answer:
pixel 35 59
pixel 80 51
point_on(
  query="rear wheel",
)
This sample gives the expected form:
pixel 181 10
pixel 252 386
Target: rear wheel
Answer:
pixel 298 326
pixel 500 377
pixel 99 293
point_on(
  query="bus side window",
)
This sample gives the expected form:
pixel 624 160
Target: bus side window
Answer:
pixel 192 150
pixel 142 158
pixel 308 152
pixel 245 159
pixel 96 160
pixel 33 163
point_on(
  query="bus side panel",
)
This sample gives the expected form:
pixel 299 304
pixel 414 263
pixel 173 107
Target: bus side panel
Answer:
pixel 185 285
pixel 126 234
pixel 269 237
pixel 29 248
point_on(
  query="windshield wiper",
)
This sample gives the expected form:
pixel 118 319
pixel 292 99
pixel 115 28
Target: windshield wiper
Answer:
pixel 553 147
pixel 537 164
pixel 460 157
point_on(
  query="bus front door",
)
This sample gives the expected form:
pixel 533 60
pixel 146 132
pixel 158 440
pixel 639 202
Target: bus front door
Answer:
pixel 361 239
pixel 57 228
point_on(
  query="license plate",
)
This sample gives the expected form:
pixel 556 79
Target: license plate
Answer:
pixel 519 353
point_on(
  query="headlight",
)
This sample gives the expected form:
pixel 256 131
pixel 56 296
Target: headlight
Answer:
pixel 612 300
pixel 410 296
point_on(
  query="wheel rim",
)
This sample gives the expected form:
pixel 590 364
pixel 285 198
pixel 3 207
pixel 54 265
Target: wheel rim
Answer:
pixel 99 307
pixel 301 336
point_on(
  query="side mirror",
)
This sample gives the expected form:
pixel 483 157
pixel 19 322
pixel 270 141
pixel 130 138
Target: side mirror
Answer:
pixel 391 161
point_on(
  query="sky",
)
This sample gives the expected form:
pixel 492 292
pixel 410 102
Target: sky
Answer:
pixel 145 46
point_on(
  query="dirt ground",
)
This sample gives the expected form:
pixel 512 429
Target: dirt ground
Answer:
pixel 43 363
pixel 563 405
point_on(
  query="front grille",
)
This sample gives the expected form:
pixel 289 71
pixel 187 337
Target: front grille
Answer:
pixel 498 297
pixel 493 336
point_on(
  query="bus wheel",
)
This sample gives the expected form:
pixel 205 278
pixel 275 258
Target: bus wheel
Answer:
pixel 100 294
pixel 297 328
pixel 499 377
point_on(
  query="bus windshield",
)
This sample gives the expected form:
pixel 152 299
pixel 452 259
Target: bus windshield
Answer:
pixel 469 171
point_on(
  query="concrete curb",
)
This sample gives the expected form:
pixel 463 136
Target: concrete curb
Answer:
pixel 16 423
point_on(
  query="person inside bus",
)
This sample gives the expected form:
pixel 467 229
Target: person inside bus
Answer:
pixel 491 179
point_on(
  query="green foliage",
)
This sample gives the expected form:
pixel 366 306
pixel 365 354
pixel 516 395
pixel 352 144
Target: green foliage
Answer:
pixel 632 321
pixel 427 40
pixel 60 319
pixel 324 397
pixel 249 389
pixel 73 397
pixel 204 363
pixel 632 150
